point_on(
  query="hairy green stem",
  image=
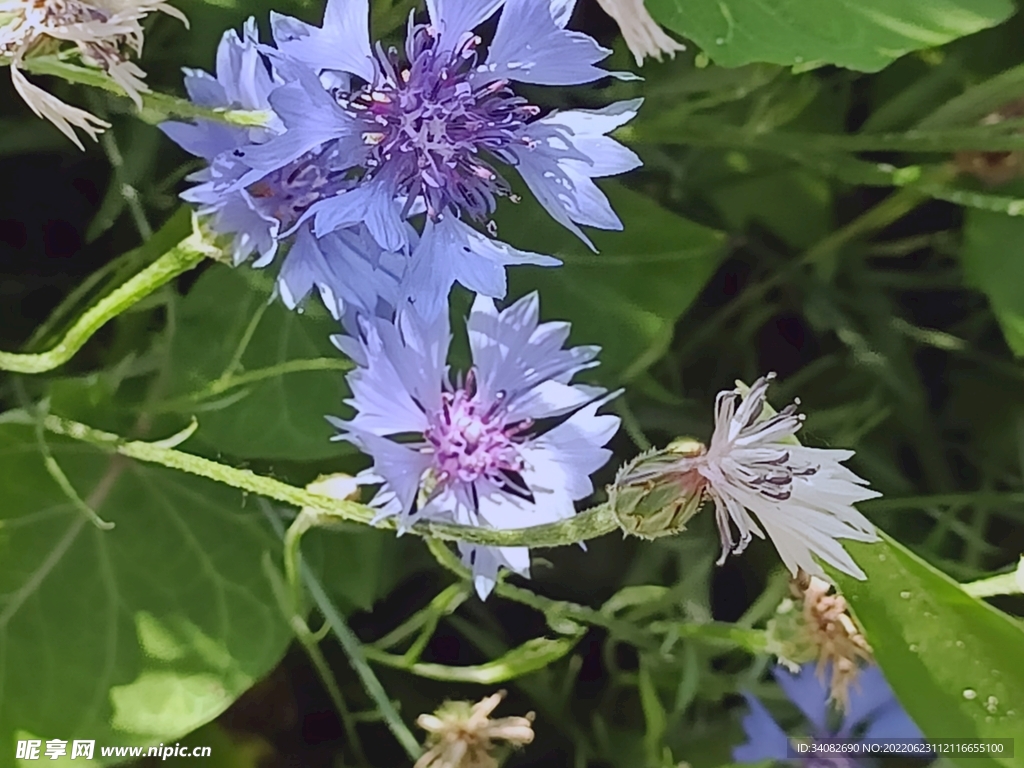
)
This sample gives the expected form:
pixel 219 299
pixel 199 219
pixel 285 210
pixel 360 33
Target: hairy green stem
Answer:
pixel 181 258
pixel 156 107
pixel 594 522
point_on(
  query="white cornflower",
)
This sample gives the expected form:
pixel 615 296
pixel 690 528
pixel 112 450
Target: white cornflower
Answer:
pixel 802 497
pixel 642 34
pixel 105 33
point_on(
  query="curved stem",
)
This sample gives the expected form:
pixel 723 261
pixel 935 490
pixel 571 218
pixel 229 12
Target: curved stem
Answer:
pixel 156 107
pixel 325 511
pixel 183 257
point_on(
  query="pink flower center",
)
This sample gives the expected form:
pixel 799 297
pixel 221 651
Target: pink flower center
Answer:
pixel 471 440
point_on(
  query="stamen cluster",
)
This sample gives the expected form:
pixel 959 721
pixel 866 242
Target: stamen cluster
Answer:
pixel 428 122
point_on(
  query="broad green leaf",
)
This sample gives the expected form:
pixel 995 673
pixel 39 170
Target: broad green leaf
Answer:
pixel 134 635
pixel 360 565
pixel 953 661
pixel 793 204
pixel 280 414
pixel 858 34
pixel 628 297
pixel 993 260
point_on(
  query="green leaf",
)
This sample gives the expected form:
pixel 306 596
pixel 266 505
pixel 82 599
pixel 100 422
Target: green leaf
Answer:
pixel 133 635
pixel 628 297
pixel 795 205
pixel 858 34
pixel 271 405
pixel 993 260
pixel 953 661
pixel 360 565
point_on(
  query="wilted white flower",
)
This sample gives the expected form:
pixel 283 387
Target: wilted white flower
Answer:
pixel 105 33
pixel 462 735
pixel 802 497
pixel 641 32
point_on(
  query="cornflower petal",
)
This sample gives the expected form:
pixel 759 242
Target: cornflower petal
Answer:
pixel 642 34
pixel 343 43
pixel 529 46
pixel 872 705
pixel 453 19
pixel 767 741
pixel 450 251
pixel 565 152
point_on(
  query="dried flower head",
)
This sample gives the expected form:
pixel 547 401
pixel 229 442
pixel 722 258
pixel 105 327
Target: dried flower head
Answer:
pixel 105 32
pixel 642 34
pixel 822 630
pixel 994 168
pixel 462 735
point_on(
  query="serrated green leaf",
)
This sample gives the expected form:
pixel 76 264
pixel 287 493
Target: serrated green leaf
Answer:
pixel 133 635
pixel 858 34
pixel 628 297
pixel 953 661
pixel 280 416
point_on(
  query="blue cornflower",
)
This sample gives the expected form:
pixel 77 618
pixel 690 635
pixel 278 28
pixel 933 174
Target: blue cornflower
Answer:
pixel 872 712
pixel 392 137
pixel 346 266
pixel 469 450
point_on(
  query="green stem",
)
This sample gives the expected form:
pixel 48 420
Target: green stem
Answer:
pixel 156 107
pixel 709 133
pixel 183 257
pixel 594 522
pixel 310 642
pixel 357 658
pixel 891 209
pixel 221 386
pixel 1003 584
pixel 647 638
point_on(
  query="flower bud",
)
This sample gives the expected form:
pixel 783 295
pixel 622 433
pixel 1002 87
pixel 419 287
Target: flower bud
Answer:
pixel 650 499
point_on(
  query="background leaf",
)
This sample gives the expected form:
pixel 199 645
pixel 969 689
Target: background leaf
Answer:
pixel 953 661
pixel 134 635
pixel 858 34
pixel 628 297
pixel 281 416
pixel 993 259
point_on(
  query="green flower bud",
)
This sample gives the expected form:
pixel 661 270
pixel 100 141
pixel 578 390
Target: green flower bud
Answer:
pixel 654 494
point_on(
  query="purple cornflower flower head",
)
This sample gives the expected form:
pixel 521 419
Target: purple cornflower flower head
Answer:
pixel 425 132
pixel 873 712
pixel 260 215
pixel 468 449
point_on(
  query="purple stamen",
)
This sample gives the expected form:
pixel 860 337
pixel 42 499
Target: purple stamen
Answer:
pixel 430 124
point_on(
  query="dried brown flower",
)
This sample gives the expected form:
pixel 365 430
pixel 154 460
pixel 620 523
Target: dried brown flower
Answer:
pixel 462 735
pixel 105 32
pixel 832 631
pixel 994 168
pixel 642 34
